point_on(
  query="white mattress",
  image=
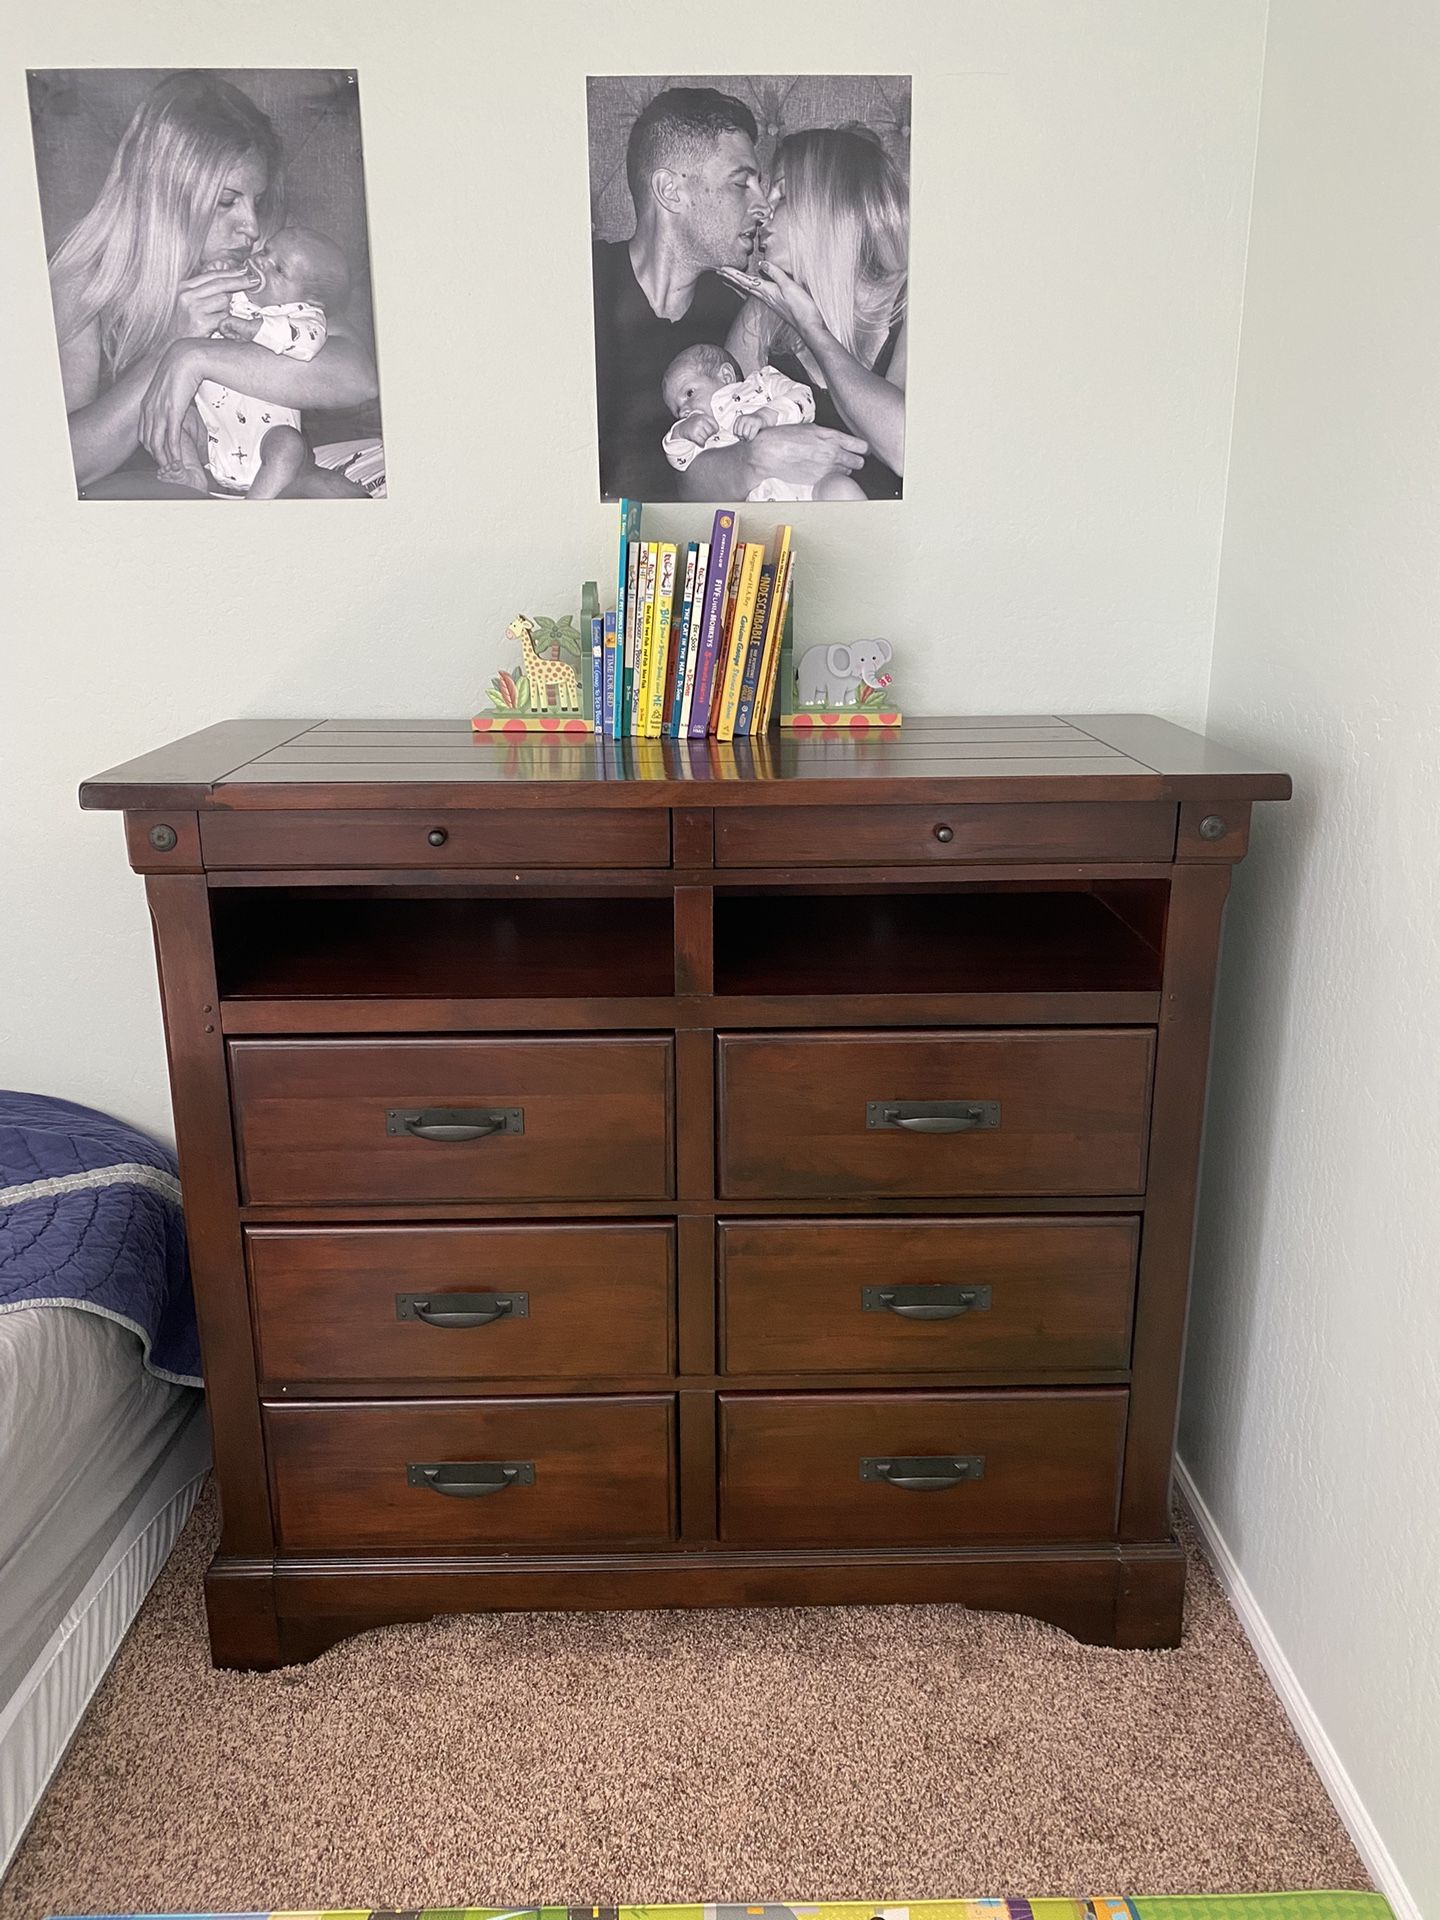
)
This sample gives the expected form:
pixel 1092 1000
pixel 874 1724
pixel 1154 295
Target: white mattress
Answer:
pixel 82 1428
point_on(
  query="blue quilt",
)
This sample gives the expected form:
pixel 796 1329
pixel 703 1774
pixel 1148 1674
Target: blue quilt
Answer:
pixel 90 1218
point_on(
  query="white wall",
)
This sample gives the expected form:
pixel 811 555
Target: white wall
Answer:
pixel 1081 178
pixel 1312 1404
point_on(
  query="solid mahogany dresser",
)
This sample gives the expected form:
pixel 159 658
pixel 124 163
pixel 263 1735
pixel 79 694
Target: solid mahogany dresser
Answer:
pixel 653 1174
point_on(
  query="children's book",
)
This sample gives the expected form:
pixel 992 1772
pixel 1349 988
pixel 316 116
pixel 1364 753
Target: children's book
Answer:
pixel 671 674
pixel 722 537
pixel 770 644
pixel 697 623
pixel 765 642
pixel 755 651
pixel 779 643
pixel 632 620
pixel 645 645
pixel 682 642
pixel 727 636
pixel 630 511
pixel 665 559
pixel 742 626
pixel 644 638
pixel 607 684
pixel 636 707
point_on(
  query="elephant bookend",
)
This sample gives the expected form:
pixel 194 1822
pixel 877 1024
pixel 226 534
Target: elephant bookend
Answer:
pixel 841 686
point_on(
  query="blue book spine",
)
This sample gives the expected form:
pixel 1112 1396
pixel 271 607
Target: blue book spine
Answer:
pixel 607 687
pixel 597 667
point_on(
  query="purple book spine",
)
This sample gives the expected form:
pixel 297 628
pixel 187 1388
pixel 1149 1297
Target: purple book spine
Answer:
pixel 722 539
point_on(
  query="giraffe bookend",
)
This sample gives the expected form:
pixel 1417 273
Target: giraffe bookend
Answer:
pixel 544 691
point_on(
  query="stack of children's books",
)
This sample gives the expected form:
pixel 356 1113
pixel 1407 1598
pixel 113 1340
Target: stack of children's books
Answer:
pixel 693 645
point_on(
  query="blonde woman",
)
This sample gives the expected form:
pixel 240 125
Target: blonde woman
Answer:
pixel 828 307
pixel 142 280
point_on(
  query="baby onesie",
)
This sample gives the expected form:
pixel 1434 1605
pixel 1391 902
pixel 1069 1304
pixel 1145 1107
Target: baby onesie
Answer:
pixel 236 423
pixel 794 403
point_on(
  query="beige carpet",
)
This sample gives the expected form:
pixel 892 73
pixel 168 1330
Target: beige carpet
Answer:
pixel 855 1753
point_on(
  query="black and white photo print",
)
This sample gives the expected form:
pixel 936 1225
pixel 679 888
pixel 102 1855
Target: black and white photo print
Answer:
pixel 751 242
pixel 210 275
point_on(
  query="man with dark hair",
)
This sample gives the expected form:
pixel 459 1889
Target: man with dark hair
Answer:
pixel 678 132
pixel 695 181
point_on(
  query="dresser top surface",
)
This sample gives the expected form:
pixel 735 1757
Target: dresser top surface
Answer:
pixel 277 764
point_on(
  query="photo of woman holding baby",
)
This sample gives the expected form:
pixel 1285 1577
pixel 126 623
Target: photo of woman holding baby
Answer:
pixel 750 332
pixel 210 281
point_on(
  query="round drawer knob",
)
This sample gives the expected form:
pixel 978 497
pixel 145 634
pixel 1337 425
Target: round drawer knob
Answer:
pixel 437 836
pixel 944 835
pixel 1212 827
pixel 164 839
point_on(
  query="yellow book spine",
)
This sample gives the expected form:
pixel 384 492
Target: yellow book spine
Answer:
pixel 740 638
pixel 760 717
pixel 646 644
pixel 660 646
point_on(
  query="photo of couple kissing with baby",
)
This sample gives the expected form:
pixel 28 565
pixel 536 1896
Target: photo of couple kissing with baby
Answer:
pixel 750 256
pixel 209 273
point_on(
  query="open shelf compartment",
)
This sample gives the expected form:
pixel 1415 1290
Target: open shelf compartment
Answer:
pixel 328 944
pixel 1053 937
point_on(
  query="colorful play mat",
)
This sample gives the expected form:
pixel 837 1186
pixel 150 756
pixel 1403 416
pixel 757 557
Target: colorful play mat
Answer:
pixel 1210 1906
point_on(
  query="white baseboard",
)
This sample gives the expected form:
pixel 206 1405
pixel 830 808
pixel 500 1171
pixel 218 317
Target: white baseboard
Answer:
pixel 1302 1716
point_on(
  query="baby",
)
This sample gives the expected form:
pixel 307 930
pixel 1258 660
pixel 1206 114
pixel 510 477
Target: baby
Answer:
pixel 254 449
pixel 714 407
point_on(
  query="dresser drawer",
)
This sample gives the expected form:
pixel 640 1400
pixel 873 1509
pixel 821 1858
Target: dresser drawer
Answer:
pixel 506 837
pixel 572 1119
pixel 419 1304
pixel 1063 1111
pixel 941 836
pixel 811 1469
pixel 909 1296
pixel 581 1472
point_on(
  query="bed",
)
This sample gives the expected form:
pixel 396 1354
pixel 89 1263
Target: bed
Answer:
pixel 103 1442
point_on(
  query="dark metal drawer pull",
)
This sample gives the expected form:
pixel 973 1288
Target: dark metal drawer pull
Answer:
pixel 924 1473
pixel 468 1479
pixel 932 1116
pixel 454 1123
pixel 462 1309
pixel 925 1302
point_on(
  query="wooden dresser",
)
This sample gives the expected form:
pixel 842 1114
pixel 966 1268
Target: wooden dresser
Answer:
pixel 669 1174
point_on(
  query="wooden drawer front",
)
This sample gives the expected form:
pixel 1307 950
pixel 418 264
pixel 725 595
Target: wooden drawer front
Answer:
pixel 603 1473
pixel 907 836
pixel 791 1467
pixel 1074 1109
pixel 312 1118
pixel 505 837
pixel 597 1300
pixel 1034 1293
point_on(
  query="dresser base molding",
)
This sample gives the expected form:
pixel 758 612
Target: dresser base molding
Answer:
pixel 267 1614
